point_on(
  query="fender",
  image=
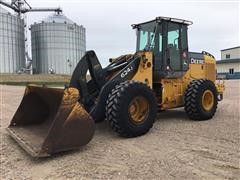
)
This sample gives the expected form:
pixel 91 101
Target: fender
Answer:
pixel 127 73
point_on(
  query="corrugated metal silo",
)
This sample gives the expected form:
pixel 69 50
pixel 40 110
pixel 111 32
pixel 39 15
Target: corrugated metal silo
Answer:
pixel 57 45
pixel 12 43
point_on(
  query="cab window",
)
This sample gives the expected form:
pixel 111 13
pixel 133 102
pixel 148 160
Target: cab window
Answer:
pixel 174 60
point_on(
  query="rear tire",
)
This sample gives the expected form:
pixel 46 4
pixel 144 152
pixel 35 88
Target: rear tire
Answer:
pixel 131 109
pixel 200 101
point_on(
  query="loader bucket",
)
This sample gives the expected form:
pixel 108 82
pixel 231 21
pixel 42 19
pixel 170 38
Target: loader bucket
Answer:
pixel 51 120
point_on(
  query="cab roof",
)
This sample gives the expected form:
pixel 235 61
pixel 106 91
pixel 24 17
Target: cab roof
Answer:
pixel 160 18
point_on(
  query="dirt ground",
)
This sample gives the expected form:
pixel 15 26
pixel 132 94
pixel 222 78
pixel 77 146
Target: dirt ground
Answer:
pixel 175 148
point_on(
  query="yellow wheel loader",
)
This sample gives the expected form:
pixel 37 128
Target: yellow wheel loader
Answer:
pixel 128 93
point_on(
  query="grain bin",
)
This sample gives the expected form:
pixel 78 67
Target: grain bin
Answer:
pixel 12 42
pixel 57 45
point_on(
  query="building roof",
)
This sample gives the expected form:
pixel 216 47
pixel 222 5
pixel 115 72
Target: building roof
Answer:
pixel 230 48
pixel 228 61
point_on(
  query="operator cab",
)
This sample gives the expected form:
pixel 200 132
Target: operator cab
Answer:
pixel 167 39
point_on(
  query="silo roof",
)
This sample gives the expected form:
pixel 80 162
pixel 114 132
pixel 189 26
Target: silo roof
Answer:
pixel 4 11
pixel 57 18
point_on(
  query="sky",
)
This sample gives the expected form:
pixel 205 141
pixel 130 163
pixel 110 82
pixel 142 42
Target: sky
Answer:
pixel 216 23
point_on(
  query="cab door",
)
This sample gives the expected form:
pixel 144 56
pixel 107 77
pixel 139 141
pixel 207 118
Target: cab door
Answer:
pixel 176 49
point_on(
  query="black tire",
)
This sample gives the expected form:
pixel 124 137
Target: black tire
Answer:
pixel 117 109
pixel 193 103
pixel 98 112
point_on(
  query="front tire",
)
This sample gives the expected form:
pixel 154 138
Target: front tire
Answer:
pixel 131 109
pixel 200 101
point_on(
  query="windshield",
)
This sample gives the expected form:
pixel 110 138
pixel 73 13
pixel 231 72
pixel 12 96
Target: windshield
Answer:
pixel 146 36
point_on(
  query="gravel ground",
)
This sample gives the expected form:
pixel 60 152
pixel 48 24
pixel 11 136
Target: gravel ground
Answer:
pixel 175 148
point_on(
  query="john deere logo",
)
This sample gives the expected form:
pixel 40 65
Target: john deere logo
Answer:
pixel 197 61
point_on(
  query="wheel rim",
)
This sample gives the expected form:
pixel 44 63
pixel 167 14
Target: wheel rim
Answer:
pixel 207 100
pixel 138 109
